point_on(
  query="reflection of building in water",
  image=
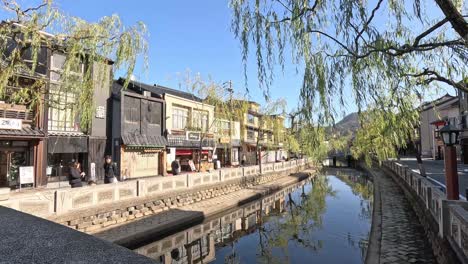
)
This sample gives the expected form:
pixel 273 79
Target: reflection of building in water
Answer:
pixel 197 244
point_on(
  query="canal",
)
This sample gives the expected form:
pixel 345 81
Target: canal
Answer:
pixel 326 219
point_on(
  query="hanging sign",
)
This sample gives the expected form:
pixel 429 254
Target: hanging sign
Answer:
pixel 224 140
pixel 192 165
pixel 26 174
pixel 9 123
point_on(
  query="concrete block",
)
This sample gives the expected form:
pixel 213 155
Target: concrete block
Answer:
pixel 4 193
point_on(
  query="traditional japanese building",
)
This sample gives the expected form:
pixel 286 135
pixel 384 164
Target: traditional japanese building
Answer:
pixel 67 140
pixel 41 136
pixel 137 128
pixel 22 138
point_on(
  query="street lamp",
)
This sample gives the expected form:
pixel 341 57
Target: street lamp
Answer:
pixel 449 136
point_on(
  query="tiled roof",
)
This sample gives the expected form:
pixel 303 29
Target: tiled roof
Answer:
pixel 66 133
pixel 144 141
pixel 24 132
pixel 157 89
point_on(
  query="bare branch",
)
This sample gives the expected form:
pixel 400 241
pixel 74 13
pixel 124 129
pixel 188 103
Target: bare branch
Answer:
pixel 366 25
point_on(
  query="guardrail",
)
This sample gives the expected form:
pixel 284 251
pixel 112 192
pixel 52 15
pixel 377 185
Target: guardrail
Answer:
pixel 451 216
pixel 46 203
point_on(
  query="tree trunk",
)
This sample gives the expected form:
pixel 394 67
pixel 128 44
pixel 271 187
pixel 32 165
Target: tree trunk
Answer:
pixel 455 18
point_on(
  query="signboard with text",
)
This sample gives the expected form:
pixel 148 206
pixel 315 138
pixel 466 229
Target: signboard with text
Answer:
pixel 26 175
pixel 100 112
pixel 193 136
pixel 9 123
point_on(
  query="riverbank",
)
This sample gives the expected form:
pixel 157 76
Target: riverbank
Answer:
pixel 397 236
pixel 173 219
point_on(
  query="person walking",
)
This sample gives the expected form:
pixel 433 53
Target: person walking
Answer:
pixel 175 166
pixel 76 175
pixel 109 170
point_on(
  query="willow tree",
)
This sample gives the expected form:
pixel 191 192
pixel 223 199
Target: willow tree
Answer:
pixel 358 52
pixel 228 107
pixel 32 32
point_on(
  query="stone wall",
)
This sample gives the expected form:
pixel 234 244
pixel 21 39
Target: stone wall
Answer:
pixel 435 213
pixel 53 203
pixel 94 219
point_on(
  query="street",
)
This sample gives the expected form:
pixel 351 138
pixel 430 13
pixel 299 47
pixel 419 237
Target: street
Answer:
pixel 435 171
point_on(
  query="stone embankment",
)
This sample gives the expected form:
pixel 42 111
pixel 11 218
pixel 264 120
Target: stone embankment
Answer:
pixel 94 219
pixel 92 208
pixel 173 220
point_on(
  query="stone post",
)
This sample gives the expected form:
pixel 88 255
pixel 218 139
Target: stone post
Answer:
pixel 444 222
pixel 141 188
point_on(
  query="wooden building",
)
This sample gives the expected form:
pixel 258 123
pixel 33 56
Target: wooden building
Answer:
pixel 22 124
pixel 41 140
pixel 137 130
pixel 67 140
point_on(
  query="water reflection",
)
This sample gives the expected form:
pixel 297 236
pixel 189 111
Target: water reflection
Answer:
pixel 325 220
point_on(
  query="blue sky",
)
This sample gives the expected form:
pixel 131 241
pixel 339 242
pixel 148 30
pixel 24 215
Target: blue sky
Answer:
pixel 191 35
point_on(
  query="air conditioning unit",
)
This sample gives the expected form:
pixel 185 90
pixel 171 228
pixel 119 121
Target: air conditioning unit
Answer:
pixel 147 93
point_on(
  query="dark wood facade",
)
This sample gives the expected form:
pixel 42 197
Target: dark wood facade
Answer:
pixel 137 134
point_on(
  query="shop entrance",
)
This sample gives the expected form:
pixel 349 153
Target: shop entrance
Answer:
pixel 10 161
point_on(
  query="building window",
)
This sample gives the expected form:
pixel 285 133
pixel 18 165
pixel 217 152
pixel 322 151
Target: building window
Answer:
pixel 132 110
pixel 223 128
pixel 63 114
pixel 250 119
pixel 200 120
pixel 154 113
pixel 62 110
pixel 251 135
pixel 179 118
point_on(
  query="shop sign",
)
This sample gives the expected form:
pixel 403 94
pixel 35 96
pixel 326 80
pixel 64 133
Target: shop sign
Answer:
pixel 100 112
pixel 26 174
pixel 224 140
pixel 9 123
pixel 192 165
pixel 93 170
pixel 193 136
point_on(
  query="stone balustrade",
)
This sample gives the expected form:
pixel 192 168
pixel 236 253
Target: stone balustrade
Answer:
pixel 451 216
pixel 49 203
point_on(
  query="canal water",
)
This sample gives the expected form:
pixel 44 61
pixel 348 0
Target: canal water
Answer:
pixel 322 220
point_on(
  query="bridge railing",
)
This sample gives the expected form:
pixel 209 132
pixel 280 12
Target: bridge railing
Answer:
pixel 451 216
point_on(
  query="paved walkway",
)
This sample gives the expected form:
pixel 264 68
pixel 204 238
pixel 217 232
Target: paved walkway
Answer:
pixel 435 170
pixel 401 238
pixel 155 225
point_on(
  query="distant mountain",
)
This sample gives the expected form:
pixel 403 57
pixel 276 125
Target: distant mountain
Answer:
pixel 349 124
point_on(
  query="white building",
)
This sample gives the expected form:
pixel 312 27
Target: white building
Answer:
pixel 433 116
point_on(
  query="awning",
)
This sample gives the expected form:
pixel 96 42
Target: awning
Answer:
pixel 24 133
pixel 181 142
pixel 67 144
pixel 183 152
pixel 144 141
pixel 187 152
